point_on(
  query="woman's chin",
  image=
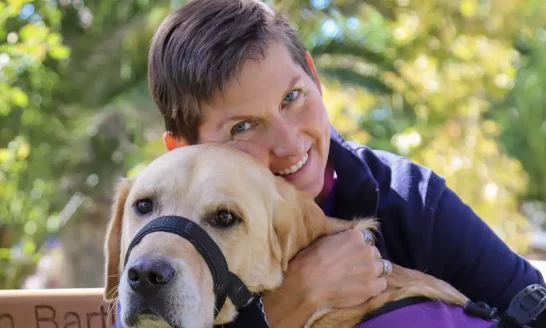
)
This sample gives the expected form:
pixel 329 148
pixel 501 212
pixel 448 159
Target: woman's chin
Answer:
pixel 309 178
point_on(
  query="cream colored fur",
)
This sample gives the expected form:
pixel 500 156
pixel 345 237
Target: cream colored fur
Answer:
pixel 277 222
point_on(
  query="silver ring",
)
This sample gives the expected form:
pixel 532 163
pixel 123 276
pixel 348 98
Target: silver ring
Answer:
pixel 386 267
pixel 368 238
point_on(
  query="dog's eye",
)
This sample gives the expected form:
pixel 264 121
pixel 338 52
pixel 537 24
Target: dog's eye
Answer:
pixel 144 206
pixel 225 218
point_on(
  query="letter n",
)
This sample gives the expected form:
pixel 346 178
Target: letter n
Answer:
pixel 6 318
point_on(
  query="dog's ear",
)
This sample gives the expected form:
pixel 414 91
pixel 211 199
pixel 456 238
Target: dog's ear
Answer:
pixel 112 244
pixel 298 221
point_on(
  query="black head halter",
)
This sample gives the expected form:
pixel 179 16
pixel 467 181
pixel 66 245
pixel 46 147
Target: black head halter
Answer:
pixel 226 283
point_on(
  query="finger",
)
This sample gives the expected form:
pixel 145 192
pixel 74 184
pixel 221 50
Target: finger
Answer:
pixel 382 268
pixel 378 286
pixel 387 267
pixel 368 254
pixel 376 253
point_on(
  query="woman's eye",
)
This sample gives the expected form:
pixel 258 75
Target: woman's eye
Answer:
pixel 144 206
pixel 241 127
pixel 225 219
pixel 291 96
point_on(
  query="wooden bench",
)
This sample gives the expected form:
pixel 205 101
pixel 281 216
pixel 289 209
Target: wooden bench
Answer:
pixel 54 308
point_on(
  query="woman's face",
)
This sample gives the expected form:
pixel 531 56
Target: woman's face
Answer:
pixel 273 111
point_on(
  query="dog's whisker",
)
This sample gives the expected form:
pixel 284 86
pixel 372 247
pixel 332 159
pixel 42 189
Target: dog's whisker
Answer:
pixel 201 306
pixel 111 306
pixel 113 291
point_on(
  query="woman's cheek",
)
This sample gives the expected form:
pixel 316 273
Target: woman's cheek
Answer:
pixel 251 148
pixel 316 112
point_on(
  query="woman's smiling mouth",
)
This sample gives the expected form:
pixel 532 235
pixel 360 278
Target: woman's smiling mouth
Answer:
pixel 296 167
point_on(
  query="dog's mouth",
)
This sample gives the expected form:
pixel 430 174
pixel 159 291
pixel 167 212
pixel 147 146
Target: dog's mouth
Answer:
pixel 149 314
pixel 145 316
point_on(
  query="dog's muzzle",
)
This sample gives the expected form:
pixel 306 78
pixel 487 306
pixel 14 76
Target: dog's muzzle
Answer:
pixel 226 283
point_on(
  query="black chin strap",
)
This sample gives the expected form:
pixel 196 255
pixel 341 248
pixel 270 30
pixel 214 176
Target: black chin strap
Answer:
pixel 226 283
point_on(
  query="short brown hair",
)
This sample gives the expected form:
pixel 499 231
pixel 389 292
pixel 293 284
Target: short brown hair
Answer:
pixel 198 48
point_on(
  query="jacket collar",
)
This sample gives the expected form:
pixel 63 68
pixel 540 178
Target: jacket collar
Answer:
pixel 357 191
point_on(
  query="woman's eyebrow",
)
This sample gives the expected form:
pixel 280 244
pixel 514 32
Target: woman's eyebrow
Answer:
pixel 295 80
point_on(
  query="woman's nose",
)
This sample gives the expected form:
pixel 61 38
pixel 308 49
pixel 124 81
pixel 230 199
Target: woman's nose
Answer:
pixel 286 141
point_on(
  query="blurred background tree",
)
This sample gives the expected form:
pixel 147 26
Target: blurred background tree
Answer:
pixel 454 85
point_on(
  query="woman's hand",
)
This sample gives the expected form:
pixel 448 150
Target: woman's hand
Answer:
pixel 338 271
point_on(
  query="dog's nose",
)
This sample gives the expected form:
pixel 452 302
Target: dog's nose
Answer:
pixel 148 275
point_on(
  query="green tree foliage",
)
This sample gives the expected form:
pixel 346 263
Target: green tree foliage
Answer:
pixel 29 61
pixel 65 133
pixel 522 114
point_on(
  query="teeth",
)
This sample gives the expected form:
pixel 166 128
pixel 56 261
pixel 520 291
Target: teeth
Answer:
pixel 295 167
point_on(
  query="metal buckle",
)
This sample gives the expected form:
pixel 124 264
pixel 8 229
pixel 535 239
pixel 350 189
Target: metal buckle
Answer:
pixel 526 306
pixel 481 310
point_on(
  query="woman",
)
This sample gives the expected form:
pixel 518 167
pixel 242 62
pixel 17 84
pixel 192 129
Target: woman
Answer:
pixel 235 72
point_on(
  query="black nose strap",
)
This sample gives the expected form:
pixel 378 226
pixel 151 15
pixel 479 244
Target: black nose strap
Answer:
pixel 226 284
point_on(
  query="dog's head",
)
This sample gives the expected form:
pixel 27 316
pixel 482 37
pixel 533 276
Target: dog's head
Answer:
pixel 258 220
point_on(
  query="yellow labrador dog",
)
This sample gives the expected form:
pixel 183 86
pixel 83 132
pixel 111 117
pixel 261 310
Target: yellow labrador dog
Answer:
pixel 258 221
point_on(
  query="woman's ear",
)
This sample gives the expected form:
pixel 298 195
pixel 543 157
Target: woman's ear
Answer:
pixel 112 244
pixel 311 64
pixel 171 141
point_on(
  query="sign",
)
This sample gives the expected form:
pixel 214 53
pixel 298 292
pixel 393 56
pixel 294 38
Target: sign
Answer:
pixel 55 308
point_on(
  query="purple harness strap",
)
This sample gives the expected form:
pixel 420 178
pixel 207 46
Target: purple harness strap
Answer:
pixel 429 314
